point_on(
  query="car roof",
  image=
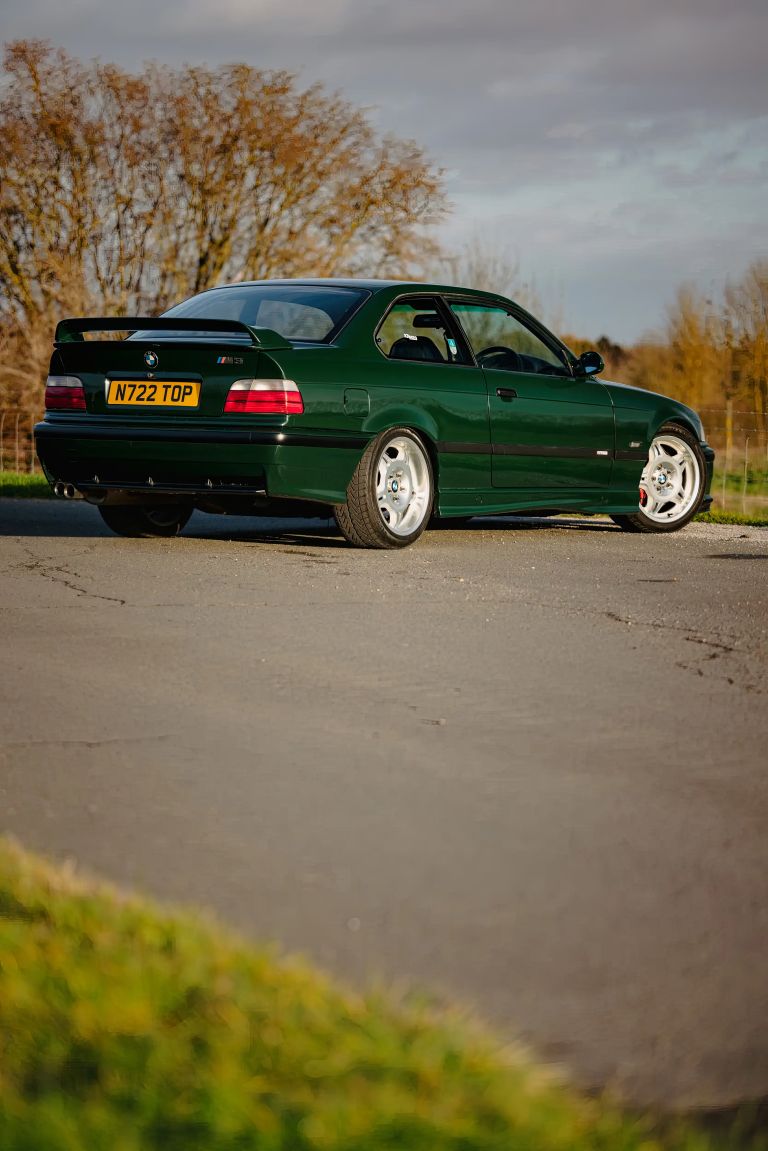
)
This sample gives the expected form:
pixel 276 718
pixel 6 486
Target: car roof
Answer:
pixel 370 285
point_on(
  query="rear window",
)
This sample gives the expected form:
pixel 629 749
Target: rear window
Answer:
pixel 298 312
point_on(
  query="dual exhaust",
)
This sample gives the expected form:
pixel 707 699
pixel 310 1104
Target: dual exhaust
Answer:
pixel 64 491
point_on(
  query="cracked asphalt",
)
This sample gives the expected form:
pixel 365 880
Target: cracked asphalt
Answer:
pixel 521 764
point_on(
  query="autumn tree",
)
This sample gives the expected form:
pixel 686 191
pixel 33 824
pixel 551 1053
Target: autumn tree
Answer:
pixel 745 327
pixel 123 192
pixel 713 355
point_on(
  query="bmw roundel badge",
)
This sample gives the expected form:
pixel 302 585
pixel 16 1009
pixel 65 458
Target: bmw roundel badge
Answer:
pixel 150 359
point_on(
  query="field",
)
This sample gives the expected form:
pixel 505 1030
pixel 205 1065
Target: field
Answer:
pixel 742 491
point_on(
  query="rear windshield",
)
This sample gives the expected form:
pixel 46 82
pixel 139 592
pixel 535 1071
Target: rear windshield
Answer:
pixel 297 312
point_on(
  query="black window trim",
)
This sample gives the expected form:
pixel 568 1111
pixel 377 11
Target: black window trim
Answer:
pixel 549 339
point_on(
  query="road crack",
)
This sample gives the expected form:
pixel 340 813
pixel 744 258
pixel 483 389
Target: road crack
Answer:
pixel 58 574
pixel 716 649
pixel 89 743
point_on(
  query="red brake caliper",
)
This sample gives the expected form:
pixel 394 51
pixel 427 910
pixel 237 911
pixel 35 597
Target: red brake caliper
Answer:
pixel 643 497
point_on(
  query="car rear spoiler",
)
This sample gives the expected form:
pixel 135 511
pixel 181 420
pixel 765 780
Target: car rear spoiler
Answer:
pixel 71 331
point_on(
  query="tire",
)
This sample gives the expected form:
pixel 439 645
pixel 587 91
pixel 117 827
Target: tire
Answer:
pixel 140 522
pixel 391 493
pixel 675 458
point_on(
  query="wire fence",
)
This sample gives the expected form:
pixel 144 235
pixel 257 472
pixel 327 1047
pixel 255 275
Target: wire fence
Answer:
pixel 735 434
pixel 17 445
pixel 741 467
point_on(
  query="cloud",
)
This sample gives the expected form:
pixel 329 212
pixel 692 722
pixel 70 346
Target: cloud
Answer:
pixel 555 115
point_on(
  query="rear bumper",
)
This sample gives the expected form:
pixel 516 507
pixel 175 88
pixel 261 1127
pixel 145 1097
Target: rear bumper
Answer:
pixel 96 456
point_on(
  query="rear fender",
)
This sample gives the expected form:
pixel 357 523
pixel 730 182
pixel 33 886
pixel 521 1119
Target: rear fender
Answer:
pixel 405 416
pixel 401 416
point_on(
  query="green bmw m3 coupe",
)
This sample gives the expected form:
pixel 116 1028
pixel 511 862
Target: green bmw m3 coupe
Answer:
pixel 384 402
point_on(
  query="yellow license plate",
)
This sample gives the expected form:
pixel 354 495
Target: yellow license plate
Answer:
pixel 154 393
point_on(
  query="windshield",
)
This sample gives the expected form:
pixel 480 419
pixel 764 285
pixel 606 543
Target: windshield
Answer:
pixel 303 312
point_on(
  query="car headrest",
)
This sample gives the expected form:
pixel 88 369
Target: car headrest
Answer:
pixel 420 348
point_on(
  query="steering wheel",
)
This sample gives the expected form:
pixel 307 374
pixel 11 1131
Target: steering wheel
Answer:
pixel 497 356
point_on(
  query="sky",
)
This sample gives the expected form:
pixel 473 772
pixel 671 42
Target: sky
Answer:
pixel 612 148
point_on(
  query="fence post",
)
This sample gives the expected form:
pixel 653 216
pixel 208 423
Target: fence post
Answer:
pixel 744 484
pixel 18 417
pixel 2 433
pixel 728 434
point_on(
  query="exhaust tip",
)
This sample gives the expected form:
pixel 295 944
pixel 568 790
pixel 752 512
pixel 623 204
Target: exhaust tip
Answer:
pixel 58 489
pixel 69 491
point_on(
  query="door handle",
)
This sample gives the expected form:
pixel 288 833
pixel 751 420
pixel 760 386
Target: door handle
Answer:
pixel 506 393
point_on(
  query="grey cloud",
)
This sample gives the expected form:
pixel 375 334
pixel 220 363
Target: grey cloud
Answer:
pixel 548 102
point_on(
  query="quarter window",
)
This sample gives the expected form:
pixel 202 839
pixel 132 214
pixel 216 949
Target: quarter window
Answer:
pixel 416 329
pixel 500 340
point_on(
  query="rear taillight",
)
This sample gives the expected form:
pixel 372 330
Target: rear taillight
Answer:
pixel 64 392
pixel 265 398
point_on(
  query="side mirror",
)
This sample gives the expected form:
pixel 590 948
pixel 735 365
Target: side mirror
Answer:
pixel 589 364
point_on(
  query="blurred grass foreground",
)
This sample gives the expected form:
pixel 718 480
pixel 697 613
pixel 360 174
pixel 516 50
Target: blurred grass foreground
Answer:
pixel 123 1026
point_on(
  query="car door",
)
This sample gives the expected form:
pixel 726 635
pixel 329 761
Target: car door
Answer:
pixel 423 362
pixel 550 430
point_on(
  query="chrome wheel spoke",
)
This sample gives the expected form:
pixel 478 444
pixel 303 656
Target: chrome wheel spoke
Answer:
pixel 650 499
pixel 403 486
pixel 671 480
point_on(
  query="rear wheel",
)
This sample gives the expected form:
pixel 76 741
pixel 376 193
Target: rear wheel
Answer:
pixel 390 495
pixel 138 522
pixel 672 483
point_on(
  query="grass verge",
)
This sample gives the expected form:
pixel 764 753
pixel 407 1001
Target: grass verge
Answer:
pixel 127 1027
pixel 22 485
pixel 718 517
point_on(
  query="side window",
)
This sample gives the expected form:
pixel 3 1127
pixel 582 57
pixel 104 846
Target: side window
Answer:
pixel 500 340
pixel 414 329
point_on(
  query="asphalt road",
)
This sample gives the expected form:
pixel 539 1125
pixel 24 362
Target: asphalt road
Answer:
pixel 521 763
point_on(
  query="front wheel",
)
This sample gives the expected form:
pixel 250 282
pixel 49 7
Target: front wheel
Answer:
pixel 390 495
pixel 137 521
pixel 672 484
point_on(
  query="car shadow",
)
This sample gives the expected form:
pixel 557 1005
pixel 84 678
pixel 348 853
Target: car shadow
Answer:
pixel 325 534
pixel 285 533
pixel 528 523
pixel 48 517
pixel 76 519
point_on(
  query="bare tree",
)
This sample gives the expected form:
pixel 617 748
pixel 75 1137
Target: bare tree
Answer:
pixel 487 261
pixel 127 192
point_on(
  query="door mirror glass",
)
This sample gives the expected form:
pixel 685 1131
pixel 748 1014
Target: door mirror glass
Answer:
pixel 589 364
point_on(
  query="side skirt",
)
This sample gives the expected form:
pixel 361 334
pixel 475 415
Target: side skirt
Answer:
pixel 494 501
